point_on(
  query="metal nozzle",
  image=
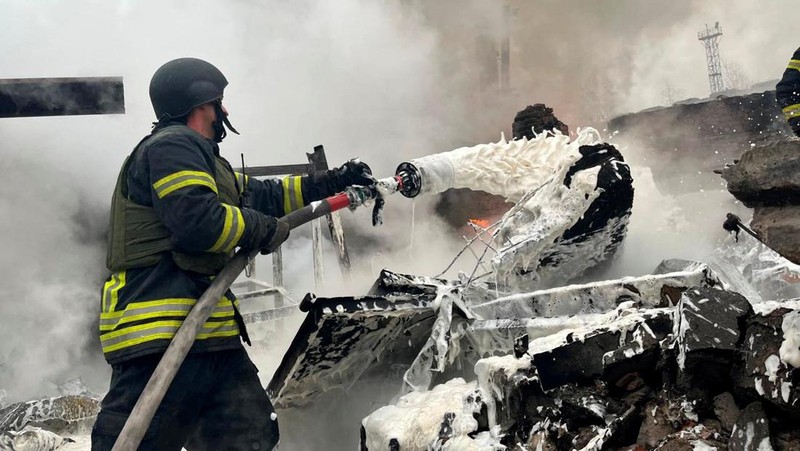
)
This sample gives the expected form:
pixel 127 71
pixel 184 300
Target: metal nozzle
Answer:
pixel 411 180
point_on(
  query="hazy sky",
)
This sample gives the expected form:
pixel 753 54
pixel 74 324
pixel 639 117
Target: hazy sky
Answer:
pixel 382 80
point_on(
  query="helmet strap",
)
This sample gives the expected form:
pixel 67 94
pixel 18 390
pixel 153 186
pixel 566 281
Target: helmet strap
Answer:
pixel 221 123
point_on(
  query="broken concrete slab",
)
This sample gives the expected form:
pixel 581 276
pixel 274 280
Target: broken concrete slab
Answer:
pixel 62 415
pixel 751 432
pixel 581 355
pixel 32 439
pixel 779 228
pixel 708 323
pixel 726 410
pixel 767 175
pixel 763 373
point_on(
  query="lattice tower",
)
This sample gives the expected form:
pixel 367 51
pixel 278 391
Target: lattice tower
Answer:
pixel 710 39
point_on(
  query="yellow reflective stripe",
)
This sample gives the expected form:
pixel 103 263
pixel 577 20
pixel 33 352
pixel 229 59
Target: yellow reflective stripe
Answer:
pixel 111 291
pixel 179 307
pixel 110 324
pixel 169 301
pixel 794 64
pixel 181 179
pixel 791 111
pixel 298 192
pixel 242 182
pixel 292 194
pixel 232 230
pixel 287 203
pixel 164 330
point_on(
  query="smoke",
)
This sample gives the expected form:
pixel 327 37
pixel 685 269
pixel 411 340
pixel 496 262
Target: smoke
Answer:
pixel 386 81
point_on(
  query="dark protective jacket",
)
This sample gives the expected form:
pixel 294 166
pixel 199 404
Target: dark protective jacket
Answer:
pixel 787 92
pixel 176 219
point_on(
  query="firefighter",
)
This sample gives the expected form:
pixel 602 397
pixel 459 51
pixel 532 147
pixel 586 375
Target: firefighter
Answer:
pixel 177 213
pixel 788 93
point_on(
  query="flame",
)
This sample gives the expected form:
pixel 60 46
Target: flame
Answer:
pixel 482 223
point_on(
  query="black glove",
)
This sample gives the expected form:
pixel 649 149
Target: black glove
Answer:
pixel 353 172
pixel 327 183
pixel 266 234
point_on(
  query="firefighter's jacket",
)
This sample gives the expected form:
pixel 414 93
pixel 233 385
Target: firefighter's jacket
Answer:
pixel 176 219
pixel 787 92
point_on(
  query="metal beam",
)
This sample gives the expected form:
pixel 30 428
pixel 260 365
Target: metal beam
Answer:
pixel 286 169
pixel 32 97
pixel 320 161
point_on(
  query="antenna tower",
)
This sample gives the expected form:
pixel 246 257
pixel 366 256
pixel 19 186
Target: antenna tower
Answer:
pixel 710 39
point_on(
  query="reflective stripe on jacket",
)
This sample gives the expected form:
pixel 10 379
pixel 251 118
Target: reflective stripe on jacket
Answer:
pixel 787 91
pixel 176 218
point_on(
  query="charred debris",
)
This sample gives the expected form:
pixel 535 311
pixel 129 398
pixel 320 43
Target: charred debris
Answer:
pixel 666 361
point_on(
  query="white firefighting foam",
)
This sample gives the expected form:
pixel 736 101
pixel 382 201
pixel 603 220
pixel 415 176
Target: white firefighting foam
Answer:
pixel 529 173
pixel 507 168
pixel 415 421
pixel 444 417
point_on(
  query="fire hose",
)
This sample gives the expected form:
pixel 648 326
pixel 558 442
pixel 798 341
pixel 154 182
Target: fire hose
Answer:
pixel 353 197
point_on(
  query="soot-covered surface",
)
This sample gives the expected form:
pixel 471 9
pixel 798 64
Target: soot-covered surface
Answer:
pixel 342 338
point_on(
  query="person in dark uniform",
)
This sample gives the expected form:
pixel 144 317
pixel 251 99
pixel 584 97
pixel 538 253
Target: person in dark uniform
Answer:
pixel 787 92
pixel 178 213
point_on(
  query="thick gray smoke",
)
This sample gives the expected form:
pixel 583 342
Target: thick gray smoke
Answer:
pixel 382 80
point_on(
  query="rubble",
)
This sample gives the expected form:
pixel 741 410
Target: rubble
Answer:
pixel 766 175
pixel 32 439
pixel 705 373
pixel 765 179
pixel 60 415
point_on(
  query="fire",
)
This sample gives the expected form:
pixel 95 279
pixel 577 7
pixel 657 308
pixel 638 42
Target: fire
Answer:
pixel 482 223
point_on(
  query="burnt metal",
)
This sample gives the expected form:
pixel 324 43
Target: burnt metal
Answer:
pixel 341 338
pixel 33 97
pixel 281 169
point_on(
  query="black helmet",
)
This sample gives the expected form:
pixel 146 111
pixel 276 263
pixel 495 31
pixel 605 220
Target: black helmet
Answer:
pixel 182 84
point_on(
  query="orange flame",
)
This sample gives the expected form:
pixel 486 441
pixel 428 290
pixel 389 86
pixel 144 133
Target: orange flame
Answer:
pixel 482 223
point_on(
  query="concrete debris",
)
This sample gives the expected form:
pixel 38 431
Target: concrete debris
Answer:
pixel 31 439
pixel 347 339
pixel 707 330
pixel 726 410
pixel 707 373
pixel 766 175
pixel 751 432
pixel 61 415
pixel 765 178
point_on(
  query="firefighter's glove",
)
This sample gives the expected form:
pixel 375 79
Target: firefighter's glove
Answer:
pixel 277 234
pixel 353 172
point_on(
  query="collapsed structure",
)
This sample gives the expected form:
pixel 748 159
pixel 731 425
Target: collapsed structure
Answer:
pixel 514 360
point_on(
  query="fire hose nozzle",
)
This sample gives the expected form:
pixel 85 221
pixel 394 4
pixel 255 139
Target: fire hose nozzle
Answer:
pixel 410 180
